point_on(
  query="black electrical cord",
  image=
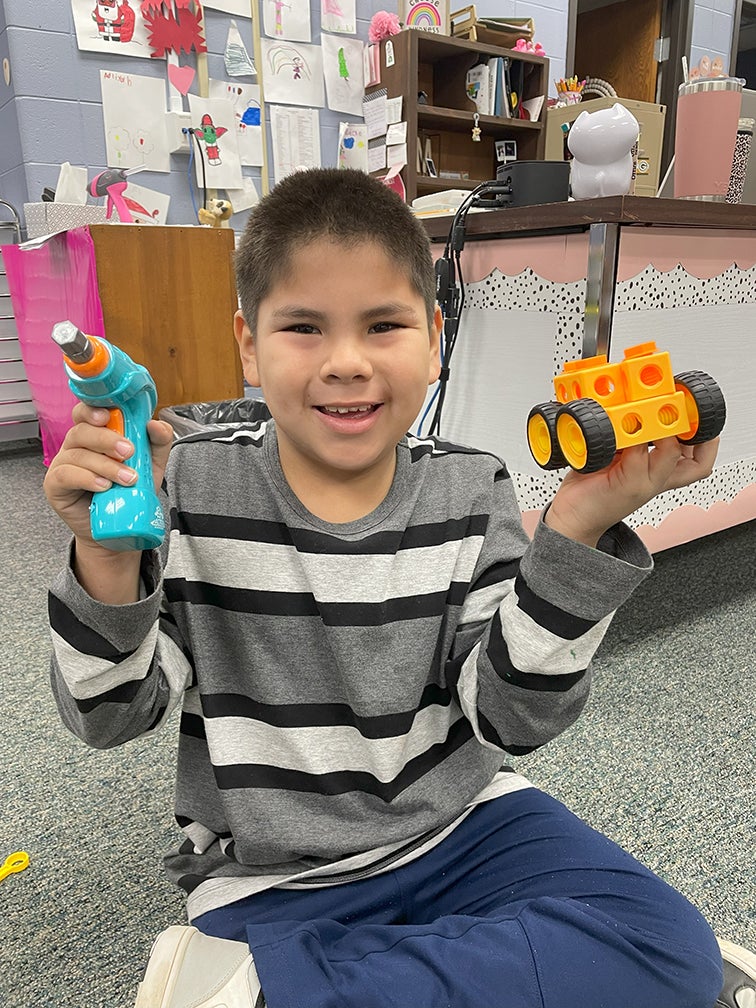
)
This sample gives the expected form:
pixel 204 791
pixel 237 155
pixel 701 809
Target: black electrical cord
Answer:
pixel 451 284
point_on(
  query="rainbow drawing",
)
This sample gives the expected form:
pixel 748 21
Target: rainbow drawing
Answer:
pixel 424 15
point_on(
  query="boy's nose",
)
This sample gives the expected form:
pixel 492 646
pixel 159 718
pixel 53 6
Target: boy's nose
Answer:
pixel 346 360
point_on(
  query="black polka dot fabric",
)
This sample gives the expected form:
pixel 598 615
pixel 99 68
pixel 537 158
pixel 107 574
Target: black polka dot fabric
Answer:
pixel 650 289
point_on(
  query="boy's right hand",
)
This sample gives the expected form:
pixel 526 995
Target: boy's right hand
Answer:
pixel 93 457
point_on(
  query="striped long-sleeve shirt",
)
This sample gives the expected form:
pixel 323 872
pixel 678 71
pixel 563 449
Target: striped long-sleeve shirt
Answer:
pixel 348 691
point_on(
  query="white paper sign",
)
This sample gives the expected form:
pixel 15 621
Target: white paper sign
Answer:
pixel 376 155
pixel 296 139
pixel 241 8
pixel 244 198
pixel 393 109
pixel 133 111
pixel 396 133
pixel 343 71
pixel 293 73
pixel 374 113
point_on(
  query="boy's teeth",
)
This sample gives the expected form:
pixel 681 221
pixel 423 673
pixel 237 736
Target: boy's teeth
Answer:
pixel 347 409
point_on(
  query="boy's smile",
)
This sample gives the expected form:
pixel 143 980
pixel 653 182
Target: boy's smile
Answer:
pixel 344 355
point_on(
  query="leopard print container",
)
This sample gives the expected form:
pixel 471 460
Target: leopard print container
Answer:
pixel 740 161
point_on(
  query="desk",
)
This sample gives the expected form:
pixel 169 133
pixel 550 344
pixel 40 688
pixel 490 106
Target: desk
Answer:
pixel 550 283
pixel 164 295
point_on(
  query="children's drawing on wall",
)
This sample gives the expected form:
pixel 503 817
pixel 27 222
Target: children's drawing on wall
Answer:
pixel 287 19
pixel 343 69
pixel 338 16
pixel 293 73
pixel 112 26
pixel 146 205
pixel 353 146
pixel 133 111
pixel 214 129
pixel 245 101
pixel 236 57
pixel 174 26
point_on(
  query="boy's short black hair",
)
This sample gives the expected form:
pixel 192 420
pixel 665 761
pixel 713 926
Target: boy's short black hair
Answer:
pixel 343 205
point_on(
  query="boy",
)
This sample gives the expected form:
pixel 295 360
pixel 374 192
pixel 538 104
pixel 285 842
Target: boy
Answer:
pixel 360 633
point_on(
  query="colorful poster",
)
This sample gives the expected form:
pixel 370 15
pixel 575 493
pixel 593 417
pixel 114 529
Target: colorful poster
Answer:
pixel 110 26
pixel 425 15
pixel 287 19
pixel 245 100
pixel 217 163
pixel 293 73
pixel 338 16
pixel 343 70
pixel 133 112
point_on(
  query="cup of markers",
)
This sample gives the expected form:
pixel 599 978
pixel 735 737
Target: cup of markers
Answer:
pixel 569 90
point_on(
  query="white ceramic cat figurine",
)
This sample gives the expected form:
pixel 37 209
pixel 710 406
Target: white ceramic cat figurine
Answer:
pixel 601 144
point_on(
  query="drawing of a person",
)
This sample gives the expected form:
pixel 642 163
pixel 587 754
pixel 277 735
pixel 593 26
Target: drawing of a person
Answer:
pixel 114 20
pixel 296 62
pixel 211 133
pixel 279 6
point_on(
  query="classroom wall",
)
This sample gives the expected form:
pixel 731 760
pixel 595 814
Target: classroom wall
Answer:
pixel 551 20
pixel 12 178
pixel 713 23
pixel 53 111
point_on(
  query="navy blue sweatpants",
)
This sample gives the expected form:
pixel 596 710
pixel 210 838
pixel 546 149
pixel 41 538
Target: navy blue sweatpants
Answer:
pixel 522 906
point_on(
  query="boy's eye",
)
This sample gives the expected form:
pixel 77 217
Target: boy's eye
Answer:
pixel 384 327
pixel 301 327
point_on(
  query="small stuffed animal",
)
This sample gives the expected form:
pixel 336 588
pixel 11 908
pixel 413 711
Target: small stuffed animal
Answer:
pixel 217 213
pixel 601 144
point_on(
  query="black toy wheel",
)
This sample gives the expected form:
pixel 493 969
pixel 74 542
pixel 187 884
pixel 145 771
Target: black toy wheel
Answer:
pixel 542 436
pixel 586 436
pixel 705 404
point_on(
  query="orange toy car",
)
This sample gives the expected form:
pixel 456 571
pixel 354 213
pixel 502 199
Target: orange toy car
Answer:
pixel 604 407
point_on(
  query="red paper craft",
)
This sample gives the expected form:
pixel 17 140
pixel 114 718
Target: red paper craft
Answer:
pixel 173 32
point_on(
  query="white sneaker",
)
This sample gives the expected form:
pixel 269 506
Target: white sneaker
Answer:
pixel 739 990
pixel 188 969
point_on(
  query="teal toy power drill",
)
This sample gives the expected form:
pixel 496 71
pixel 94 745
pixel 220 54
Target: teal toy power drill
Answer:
pixel 99 374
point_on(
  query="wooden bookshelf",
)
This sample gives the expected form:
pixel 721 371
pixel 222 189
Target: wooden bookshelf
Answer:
pixel 438 65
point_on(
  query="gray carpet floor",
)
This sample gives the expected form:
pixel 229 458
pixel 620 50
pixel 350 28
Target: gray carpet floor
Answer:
pixel 662 761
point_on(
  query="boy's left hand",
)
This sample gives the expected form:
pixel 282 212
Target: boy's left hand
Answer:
pixel 586 505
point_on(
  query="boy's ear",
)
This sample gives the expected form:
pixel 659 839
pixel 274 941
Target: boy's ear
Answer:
pixel 435 346
pixel 247 350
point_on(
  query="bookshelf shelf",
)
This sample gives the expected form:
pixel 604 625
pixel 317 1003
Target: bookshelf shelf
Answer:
pixel 437 65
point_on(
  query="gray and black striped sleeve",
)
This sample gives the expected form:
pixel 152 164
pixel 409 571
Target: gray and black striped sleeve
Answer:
pixel 530 626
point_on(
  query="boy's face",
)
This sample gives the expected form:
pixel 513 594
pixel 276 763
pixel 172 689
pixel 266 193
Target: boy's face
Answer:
pixel 344 355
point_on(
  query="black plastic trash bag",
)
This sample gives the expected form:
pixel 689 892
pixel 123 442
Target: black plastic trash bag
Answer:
pixel 190 418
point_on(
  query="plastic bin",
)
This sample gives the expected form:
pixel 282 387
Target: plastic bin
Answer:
pixel 190 418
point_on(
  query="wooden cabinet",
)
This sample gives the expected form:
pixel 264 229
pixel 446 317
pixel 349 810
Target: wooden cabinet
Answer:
pixel 168 299
pixel 164 295
pixel 437 65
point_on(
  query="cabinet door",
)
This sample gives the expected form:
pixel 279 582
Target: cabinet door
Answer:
pixel 168 299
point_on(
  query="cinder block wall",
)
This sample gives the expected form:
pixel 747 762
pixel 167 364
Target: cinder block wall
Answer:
pixel 52 110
